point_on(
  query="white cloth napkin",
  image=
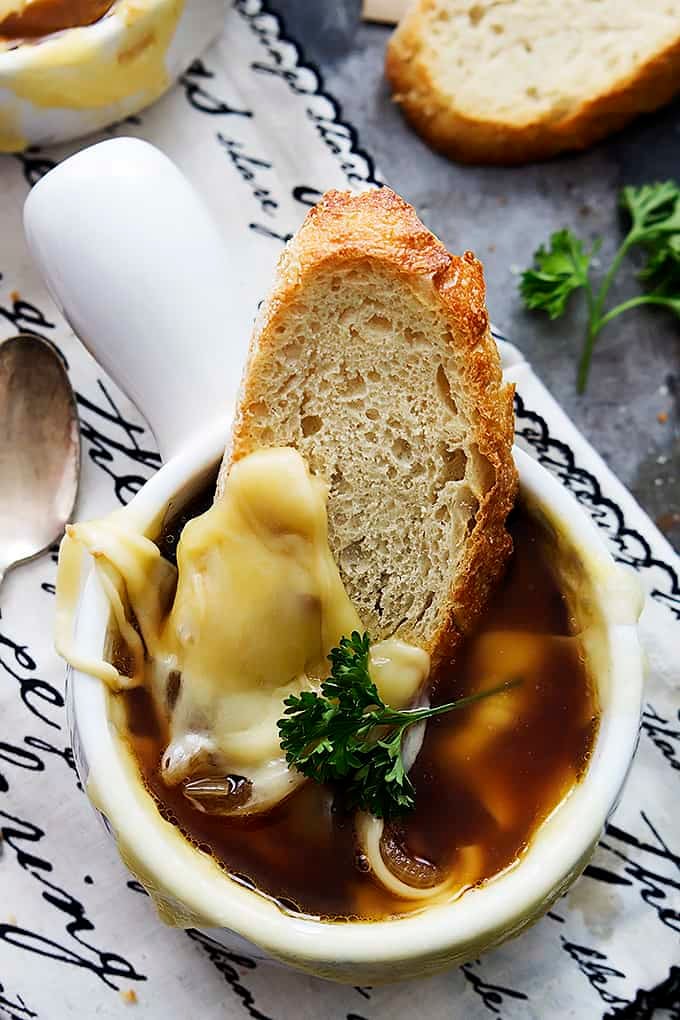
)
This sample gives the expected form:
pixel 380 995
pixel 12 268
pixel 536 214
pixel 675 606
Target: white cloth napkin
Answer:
pixel 253 129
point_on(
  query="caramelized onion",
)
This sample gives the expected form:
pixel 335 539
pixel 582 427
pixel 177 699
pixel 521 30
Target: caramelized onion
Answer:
pixel 172 692
pixel 413 878
pixel 412 870
pixel 413 739
pixel 196 765
pixel 218 795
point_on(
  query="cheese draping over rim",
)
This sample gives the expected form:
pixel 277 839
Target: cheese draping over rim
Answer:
pixel 258 603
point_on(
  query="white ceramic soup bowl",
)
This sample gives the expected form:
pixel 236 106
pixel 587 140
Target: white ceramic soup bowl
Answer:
pixel 187 886
pixel 71 83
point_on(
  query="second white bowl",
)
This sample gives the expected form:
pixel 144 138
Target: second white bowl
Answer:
pixel 77 81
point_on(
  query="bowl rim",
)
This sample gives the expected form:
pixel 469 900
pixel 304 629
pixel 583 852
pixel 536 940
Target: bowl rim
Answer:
pixel 482 916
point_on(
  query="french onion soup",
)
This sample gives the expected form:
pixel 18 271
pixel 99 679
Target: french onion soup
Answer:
pixel 337 680
pixel 204 710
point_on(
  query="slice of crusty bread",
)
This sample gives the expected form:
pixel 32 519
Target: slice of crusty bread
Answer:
pixel 511 81
pixel 373 358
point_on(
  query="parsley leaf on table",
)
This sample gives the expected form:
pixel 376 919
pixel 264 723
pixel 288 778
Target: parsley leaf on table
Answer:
pixel 561 269
pixel 654 214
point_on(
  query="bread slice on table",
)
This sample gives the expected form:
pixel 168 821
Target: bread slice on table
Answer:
pixel 373 358
pixel 519 80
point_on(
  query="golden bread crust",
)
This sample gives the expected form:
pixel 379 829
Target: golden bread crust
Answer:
pixel 379 227
pixel 481 141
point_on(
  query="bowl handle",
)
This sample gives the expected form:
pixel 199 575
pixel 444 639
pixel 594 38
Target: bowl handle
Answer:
pixel 131 256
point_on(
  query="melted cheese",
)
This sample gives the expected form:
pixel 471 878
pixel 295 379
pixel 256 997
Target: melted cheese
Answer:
pixel 133 575
pixel 77 70
pixel 8 7
pixel 259 604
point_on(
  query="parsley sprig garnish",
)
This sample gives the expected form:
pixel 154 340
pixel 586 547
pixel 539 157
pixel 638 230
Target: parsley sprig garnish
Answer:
pixel 346 734
pixel 653 211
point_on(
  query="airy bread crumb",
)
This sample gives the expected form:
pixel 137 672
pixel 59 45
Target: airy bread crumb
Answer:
pixel 512 81
pixel 373 358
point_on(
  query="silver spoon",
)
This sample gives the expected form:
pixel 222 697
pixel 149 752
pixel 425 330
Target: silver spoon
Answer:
pixel 39 449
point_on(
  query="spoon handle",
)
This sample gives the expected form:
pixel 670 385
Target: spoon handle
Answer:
pixel 132 257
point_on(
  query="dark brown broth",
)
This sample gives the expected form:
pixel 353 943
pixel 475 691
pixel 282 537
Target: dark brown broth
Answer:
pixel 493 797
pixel 44 17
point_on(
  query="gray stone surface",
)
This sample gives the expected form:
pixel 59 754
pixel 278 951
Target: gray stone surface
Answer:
pixel 503 214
